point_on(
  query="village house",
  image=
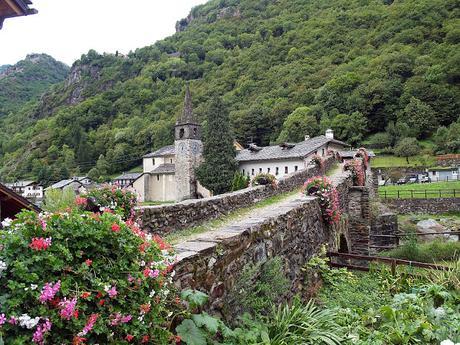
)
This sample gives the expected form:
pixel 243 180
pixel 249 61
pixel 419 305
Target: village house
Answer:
pixel 11 203
pixel 283 159
pixel 446 174
pixel 78 183
pixel 126 179
pixel 28 189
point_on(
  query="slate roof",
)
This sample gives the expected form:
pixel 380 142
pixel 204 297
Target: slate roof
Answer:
pixel 19 184
pixel 63 183
pixel 164 169
pixel 128 176
pixel 164 151
pixel 351 153
pixel 300 150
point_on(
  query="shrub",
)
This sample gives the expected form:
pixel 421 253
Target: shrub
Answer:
pixel 120 201
pixel 319 162
pixel 240 181
pixel 59 200
pixel 264 179
pixel 81 278
pixel 328 197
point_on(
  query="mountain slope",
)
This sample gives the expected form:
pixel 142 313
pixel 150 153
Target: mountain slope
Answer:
pixel 356 65
pixel 28 79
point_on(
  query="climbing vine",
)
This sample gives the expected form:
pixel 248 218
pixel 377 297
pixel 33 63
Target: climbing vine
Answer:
pixel 328 197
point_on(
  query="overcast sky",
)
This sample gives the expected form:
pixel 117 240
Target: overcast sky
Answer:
pixel 65 29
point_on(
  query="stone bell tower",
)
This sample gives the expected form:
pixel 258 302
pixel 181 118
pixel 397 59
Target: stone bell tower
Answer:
pixel 189 151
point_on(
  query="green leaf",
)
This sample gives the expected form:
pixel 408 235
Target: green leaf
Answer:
pixel 194 297
pixel 204 319
pixel 190 333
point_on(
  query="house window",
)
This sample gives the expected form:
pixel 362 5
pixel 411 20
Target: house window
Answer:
pixel 433 173
pixel 323 153
pixel 260 170
pixel 243 171
pixel 158 177
pixel 277 171
pixel 268 170
pixel 181 133
pixel 252 172
pixel 286 170
pixel 171 160
pixel 296 168
pixel 153 161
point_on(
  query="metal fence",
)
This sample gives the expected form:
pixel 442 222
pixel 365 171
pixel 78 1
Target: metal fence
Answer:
pixel 419 193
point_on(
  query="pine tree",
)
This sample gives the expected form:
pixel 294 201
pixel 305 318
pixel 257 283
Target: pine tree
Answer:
pixel 219 166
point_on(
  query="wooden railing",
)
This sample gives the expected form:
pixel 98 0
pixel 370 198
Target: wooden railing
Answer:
pixel 385 260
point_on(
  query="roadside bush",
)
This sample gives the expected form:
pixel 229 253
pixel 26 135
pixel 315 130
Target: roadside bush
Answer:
pixel 240 181
pixel 328 197
pixel 120 201
pixel 264 179
pixel 82 278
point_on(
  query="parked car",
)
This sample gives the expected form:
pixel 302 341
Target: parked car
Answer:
pixel 401 181
pixel 411 179
pixel 424 179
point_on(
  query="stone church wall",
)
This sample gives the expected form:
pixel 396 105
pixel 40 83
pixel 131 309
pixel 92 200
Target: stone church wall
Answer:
pixel 166 219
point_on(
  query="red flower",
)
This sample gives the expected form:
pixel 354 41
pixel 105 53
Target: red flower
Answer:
pixel 101 302
pixel 75 314
pixel 129 337
pixel 177 339
pixel 55 301
pixel 145 339
pixel 88 262
pixel 115 227
pixel 40 243
pixel 145 308
pixel 85 295
pixel 81 201
pixel 78 341
pixel 99 294
pixel 162 244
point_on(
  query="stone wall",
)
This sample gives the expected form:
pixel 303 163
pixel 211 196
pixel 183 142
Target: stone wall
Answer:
pixel 293 231
pixel 163 220
pixel 383 222
pixel 359 220
pixel 431 206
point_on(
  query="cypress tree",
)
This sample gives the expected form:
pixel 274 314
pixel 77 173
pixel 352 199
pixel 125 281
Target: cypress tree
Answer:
pixel 219 166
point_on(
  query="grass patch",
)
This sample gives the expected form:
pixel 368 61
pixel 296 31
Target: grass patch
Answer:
pixel 431 252
pixel 417 190
pixel 156 203
pixel 224 220
pixel 388 161
pixel 335 168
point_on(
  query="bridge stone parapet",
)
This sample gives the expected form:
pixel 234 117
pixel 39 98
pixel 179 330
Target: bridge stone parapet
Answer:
pixel 163 220
pixel 293 230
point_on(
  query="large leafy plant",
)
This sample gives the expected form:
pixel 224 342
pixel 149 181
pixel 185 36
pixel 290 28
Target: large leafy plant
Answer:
pixel 72 278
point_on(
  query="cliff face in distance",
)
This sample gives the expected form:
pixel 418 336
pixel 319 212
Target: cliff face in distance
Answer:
pixel 27 80
pixel 356 66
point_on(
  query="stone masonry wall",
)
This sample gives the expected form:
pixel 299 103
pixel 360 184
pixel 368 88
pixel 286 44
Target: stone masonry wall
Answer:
pixel 294 231
pixel 359 220
pixel 431 206
pixel 165 219
pixel 383 222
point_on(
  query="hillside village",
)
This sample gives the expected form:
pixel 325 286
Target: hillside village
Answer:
pixel 276 172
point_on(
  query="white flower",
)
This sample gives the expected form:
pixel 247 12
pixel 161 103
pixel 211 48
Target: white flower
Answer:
pixel 106 288
pixel 6 222
pixel 448 342
pixel 152 293
pixel 149 237
pixel 33 286
pixel 26 321
pixel 173 273
pixel 439 312
pixel 142 264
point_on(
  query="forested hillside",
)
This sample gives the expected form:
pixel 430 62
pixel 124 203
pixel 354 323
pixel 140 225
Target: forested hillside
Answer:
pixel 283 67
pixel 27 80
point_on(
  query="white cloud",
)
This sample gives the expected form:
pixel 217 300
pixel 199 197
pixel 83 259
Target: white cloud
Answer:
pixel 66 29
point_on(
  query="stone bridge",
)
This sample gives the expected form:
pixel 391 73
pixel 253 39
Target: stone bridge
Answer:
pixel 292 229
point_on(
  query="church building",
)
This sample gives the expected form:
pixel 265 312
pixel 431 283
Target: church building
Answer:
pixel 169 172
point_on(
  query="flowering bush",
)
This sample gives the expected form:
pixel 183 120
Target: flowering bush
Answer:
pixel 356 167
pixel 71 278
pixel 362 153
pixel 318 161
pixel 264 179
pixel 118 200
pixel 322 187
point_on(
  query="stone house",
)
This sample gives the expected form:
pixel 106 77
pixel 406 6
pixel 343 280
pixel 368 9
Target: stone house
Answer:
pixel 126 179
pixel 78 183
pixel 283 159
pixel 28 189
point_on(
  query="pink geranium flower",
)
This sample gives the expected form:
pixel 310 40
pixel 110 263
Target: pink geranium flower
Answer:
pixel 49 291
pixel 40 243
pixel 67 308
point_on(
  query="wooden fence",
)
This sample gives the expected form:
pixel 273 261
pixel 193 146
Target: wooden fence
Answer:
pixel 419 194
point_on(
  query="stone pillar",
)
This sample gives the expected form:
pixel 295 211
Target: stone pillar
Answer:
pixel 359 220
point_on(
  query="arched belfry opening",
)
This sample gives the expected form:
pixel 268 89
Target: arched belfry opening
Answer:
pixel 343 244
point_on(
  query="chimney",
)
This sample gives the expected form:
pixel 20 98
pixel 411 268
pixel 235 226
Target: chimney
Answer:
pixel 329 134
pixel 307 137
